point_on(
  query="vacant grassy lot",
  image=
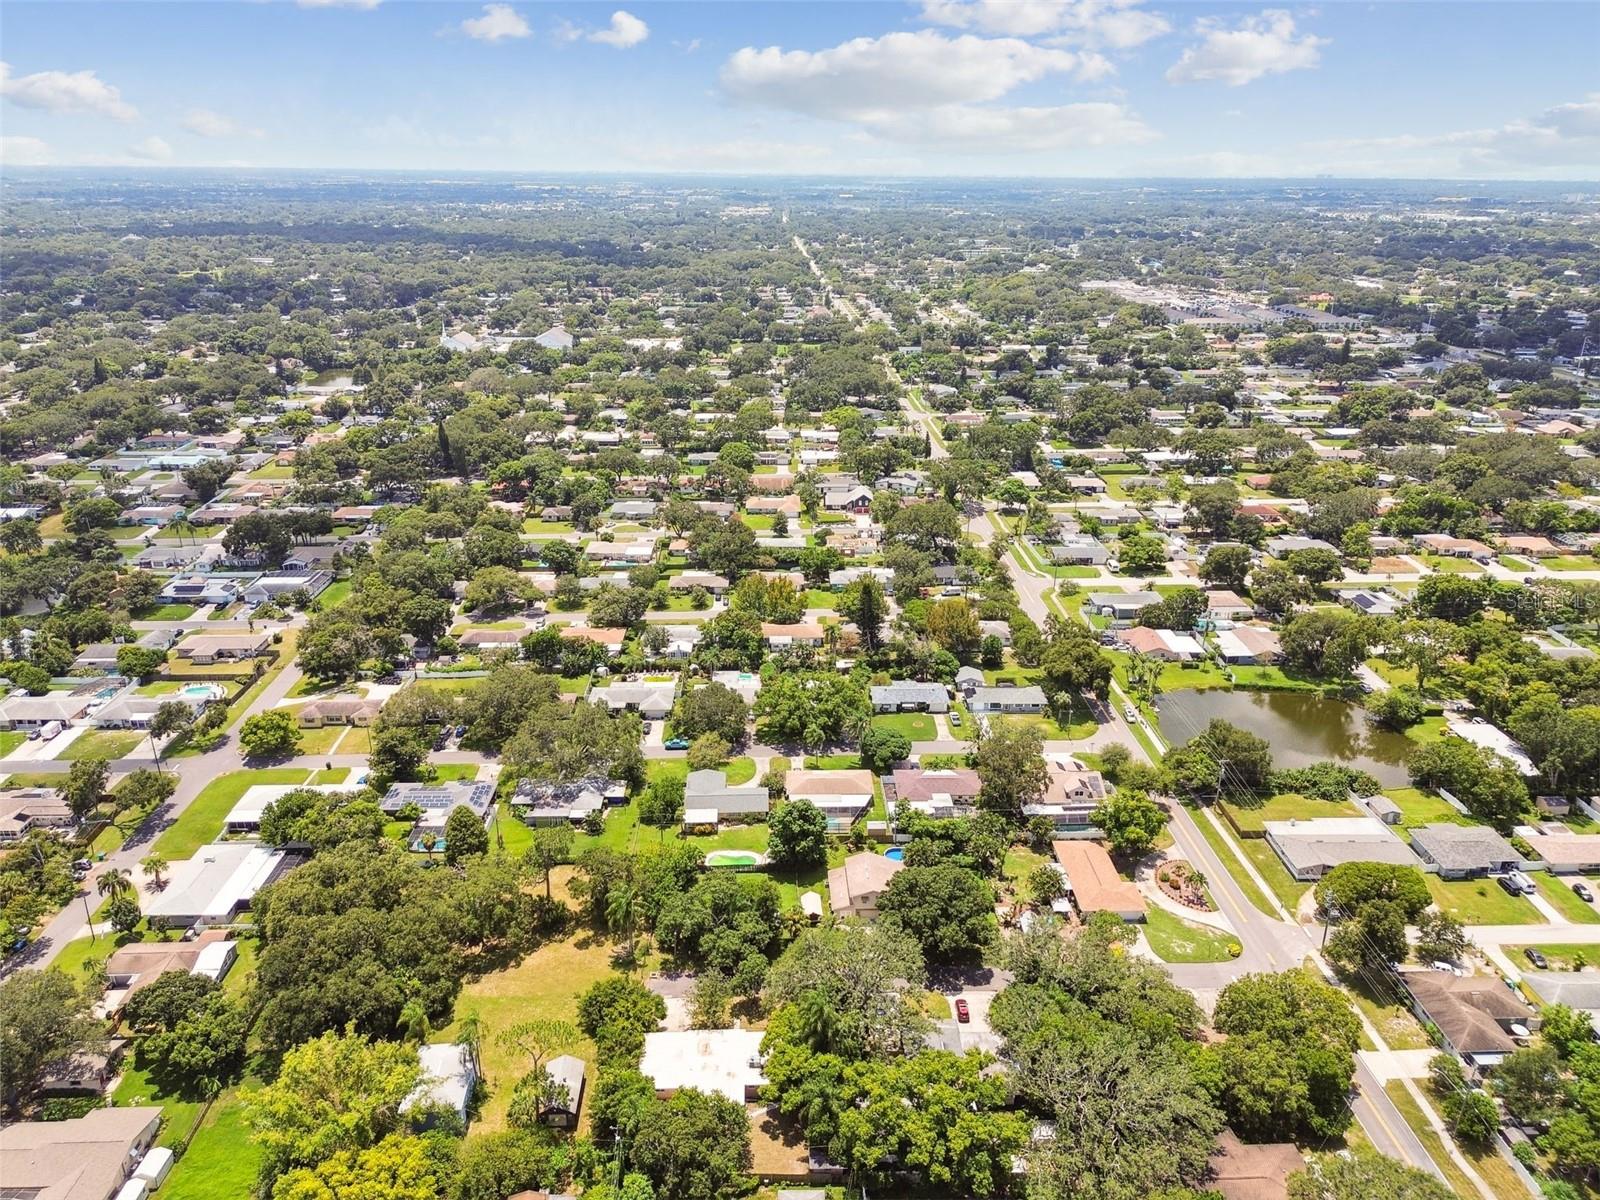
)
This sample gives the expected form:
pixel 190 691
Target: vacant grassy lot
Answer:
pixel 1418 807
pixel 1481 902
pixel 1563 956
pixel 103 743
pixel 201 822
pixel 221 1162
pixel 918 727
pixel 1289 807
pixel 1178 941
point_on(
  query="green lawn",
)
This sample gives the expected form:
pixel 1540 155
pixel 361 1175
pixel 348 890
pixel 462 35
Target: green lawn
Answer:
pixel 1418 807
pixel 201 822
pixel 536 525
pixel 1572 562
pixel 79 951
pixel 178 1116
pixel 1179 941
pixel 741 770
pixel 1230 859
pixel 1561 897
pixel 453 771
pixel 335 594
pixel 819 598
pixel 1457 1179
pixel 833 762
pixel 158 687
pixel 167 612
pixel 1284 886
pixel 1289 807
pixel 1451 566
pixel 919 727
pixel 1400 1029
pixel 109 743
pixel 319 741
pixel 10 739
pixel 1563 956
pixel 1481 902
pixel 221 1162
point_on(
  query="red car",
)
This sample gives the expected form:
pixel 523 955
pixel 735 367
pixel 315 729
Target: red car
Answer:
pixel 963 1014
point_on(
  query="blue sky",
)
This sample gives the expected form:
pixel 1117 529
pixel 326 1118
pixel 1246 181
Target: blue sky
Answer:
pixel 958 87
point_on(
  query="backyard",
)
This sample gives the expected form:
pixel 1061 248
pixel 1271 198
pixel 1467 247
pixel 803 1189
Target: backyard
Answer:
pixel 201 822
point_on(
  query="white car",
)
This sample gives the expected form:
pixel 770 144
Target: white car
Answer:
pixel 1129 712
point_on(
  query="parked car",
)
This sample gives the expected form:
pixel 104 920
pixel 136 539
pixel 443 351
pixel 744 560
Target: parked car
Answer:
pixel 1522 882
pixel 676 743
pixel 963 1013
pixel 649 727
pixel 1583 892
pixel 1536 958
pixel 955 719
pixel 1509 885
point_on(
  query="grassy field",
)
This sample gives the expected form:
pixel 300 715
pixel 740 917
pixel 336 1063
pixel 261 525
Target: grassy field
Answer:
pixel 1230 859
pixel 10 739
pixel 178 1115
pixel 1284 886
pixel 1562 898
pixel 319 741
pixel 201 822
pixel 1451 566
pixel 108 743
pixel 918 727
pixel 1572 562
pixel 221 1161
pixel 819 598
pixel 1418 807
pixel 543 986
pixel 1400 1029
pixel 1289 807
pixel 1481 902
pixel 1178 941
pixel 335 594
pixel 168 612
pixel 1563 956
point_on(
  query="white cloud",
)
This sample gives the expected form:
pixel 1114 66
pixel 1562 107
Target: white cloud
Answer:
pixel 1259 45
pixel 1561 141
pixel 362 4
pixel 18 151
pixel 1119 24
pixel 878 78
pixel 625 31
pixel 152 149
pixel 498 21
pixel 204 123
pixel 978 129
pixel 63 92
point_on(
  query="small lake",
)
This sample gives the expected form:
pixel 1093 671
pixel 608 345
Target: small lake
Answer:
pixel 1301 727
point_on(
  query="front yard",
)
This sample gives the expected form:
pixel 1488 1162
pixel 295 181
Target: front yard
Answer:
pixel 918 727
pixel 1175 940
pixel 1481 902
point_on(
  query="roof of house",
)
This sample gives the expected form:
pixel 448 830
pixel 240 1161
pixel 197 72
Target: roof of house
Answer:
pixel 83 1158
pixel 724 1061
pixel 593 633
pixel 1565 849
pixel 1462 847
pixel 863 874
pixel 801 782
pixel 1096 886
pixel 907 691
pixel 568 1071
pixel 1468 1010
pixel 1032 694
pixel 802 629
pixel 1253 1171
pixel 915 783
pixel 1324 842
pixel 1575 989
pixel 447 1077
pixel 215 881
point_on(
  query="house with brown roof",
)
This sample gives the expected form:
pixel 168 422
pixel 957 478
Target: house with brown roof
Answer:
pixel 946 792
pixel 1478 1017
pixel 842 795
pixel 1093 884
pixel 1253 1171
pixel 611 639
pixel 803 633
pixel 82 1158
pixel 207 648
pixel 339 710
pixel 22 809
pixel 855 886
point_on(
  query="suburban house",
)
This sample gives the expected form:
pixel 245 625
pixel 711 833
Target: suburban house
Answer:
pixel 1372 604
pixel 270 587
pixel 205 648
pixel 1310 849
pixel 708 799
pixel 611 639
pixel 1454 547
pixel 245 816
pixel 778 637
pixel 130 710
pixel 1289 543
pixel 907 696
pixel 1070 797
pixel 1093 884
pixel 339 710
pixel 216 885
pixel 1252 1170
pixel 1479 1018
pixel 1165 644
pixel 856 884
pixel 437 801
pixel 139 964
pixel 725 1061
pixel 945 792
pixel 538 802
pixel 449 1075
pixel 1566 853
pixel 91 1157
pixel 681 639
pixel 1080 550
pixel 653 701
pixel 201 590
pixel 1464 851
pixel 35 712
pixel 1121 606
pixel 968 680
pixel 841 795
pixel 22 809
pixel 1028 700
pixel 492 639
pixel 1224 605
pixel 689 580
pixel 1246 645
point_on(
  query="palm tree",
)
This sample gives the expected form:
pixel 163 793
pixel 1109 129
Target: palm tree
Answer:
pixel 414 1021
pixel 818 1022
pixel 429 842
pixel 155 867
pixel 469 1035
pixel 182 526
pixel 171 718
pixel 114 882
pixel 620 912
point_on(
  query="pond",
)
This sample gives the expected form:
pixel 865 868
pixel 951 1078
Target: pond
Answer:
pixel 1301 727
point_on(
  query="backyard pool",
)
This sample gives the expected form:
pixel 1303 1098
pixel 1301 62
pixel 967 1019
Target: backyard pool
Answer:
pixel 200 691
pixel 896 853
pixel 734 858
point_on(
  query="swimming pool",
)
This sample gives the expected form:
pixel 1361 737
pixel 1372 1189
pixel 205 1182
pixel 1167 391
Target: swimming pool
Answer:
pixel 733 858
pixel 200 691
pixel 896 853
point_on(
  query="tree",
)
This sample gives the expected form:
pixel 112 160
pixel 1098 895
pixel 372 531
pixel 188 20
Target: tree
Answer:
pixel 948 910
pixel 48 1020
pixel 882 748
pixel 1361 1174
pixel 1325 642
pixel 399 1167
pixel 708 751
pixel 85 785
pixel 694 1146
pixel 200 1049
pixel 953 625
pixel 863 603
pixel 1371 939
pixel 1291 1006
pixel 709 1000
pixel 122 913
pixel 1227 566
pixel 1141 554
pixel 494 1166
pixel 1076 666
pixel 333 648
pixel 797 835
pixel 1492 789
pixel 1045 885
pixel 812 709
pixel 1131 822
pixel 114 882
pixel 619 1001
pixel 155 869
pixel 139 662
pixel 336 1093
pixel 270 734
pixel 207 478
pixel 171 718
pixel 1440 936
pixel 1471 1115
pixel 1011 768
pixel 1529 1082
pixel 1397 708
pixel 464 835
pixel 1350 886
pixel 661 803
pixel 849 990
pixel 712 708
